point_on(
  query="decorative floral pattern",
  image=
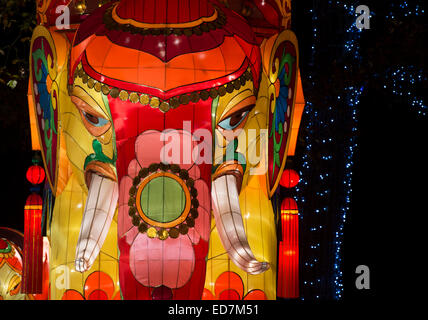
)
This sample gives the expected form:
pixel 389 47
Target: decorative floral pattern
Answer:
pixel 45 93
pixel 92 289
pixel 229 286
pixel 152 259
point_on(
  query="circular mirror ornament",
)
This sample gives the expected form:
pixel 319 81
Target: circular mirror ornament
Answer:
pixel 162 201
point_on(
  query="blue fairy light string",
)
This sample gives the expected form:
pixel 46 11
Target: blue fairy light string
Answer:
pixel 404 9
pixel 351 96
pixel 401 81
pixel 318 123
pixel 310 115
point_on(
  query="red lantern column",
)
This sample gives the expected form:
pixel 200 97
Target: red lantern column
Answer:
pixel 288 259
pixel 32 273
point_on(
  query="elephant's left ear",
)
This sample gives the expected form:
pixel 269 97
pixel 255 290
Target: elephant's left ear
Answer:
pixel 48 56
pixel 280 58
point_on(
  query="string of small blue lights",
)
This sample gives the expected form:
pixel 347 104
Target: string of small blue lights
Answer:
pixel 351 95
pixel 309 261
pixel 404 9
pixel 317 178
pixel 316 185
pixel 401 80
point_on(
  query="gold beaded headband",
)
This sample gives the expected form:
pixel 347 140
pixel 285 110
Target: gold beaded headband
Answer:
pixel 156 102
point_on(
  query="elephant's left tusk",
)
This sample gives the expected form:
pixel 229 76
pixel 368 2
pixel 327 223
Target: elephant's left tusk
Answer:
pixel 99 211
pixel 230 227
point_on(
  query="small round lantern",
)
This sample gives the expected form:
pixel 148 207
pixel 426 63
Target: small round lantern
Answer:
pixel 289 178
pixel 35 174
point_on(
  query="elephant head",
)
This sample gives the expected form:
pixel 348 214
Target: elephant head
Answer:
pixel 168 112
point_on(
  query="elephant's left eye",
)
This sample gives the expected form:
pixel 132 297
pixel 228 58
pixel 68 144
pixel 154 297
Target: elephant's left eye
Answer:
pixel 235 119
pixel 94 120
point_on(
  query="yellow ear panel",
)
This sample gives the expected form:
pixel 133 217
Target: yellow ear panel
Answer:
pixel 280 58
pixel 48 53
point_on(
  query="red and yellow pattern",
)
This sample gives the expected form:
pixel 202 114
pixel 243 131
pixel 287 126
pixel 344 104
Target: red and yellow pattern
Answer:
pixel 229 286
pixel 98 286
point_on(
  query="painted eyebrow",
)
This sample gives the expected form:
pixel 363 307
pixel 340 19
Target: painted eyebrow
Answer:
pixel 83 95
pixel 235 99
pixel 248 102
pixel 85 107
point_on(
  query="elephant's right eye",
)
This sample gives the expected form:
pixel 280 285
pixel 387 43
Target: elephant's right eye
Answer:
pixel 237 116
pixel 234 120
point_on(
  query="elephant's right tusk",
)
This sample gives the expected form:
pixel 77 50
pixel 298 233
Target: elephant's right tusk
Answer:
pixel 99 211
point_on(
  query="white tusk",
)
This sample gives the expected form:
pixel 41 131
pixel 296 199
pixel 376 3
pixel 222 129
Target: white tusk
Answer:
pixel 99 211
pixel 228 218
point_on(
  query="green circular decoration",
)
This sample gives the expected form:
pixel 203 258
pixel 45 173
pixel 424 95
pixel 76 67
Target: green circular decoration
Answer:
pixel 163 199
pixel 163 213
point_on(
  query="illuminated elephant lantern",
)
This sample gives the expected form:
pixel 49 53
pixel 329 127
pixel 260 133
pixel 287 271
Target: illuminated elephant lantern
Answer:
pixel 155 115
pixel 11 267
pixel 10 271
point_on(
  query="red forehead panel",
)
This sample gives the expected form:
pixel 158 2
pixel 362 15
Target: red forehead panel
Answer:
pixel 141 68
pixel 165 11
pixel 147 42
pixel 131 119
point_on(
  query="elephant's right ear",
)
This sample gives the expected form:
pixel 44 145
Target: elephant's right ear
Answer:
pixel 48 57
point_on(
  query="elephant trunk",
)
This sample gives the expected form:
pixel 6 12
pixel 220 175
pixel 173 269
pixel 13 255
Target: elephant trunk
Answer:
pixel 228 218
pixel 97 216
